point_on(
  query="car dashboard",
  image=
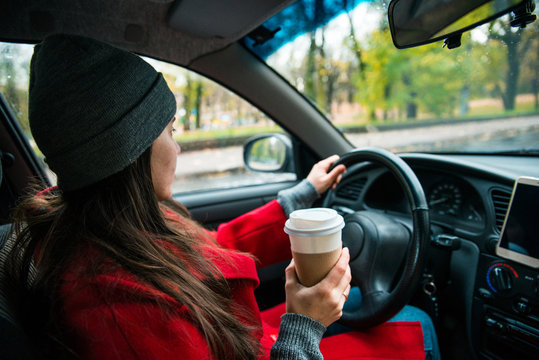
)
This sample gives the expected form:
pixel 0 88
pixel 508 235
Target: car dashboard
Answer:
pixel 453 201
pixel 495 300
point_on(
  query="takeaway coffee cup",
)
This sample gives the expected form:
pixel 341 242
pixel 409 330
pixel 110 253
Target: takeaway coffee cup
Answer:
pixel 315 240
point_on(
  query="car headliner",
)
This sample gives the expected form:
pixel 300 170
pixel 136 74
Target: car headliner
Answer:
pixel 176 31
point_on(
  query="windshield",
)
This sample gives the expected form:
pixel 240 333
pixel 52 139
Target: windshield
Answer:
pixel 479 97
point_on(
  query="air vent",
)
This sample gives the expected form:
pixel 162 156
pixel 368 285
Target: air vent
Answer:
pixel 352 190
pixel 500 199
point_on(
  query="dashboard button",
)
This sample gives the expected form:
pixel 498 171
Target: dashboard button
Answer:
pixel 522 307
pixel 494 324
pixel 485 294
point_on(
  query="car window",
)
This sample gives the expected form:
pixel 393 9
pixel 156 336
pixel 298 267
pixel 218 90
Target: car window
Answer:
pixel 212 124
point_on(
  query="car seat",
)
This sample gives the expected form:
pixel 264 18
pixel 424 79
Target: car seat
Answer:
pixel 14 343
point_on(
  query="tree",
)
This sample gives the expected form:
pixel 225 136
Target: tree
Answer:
pixel 199 87
pixel 353 68
pixel 516 46
pixel 427 79
pixel 193 92
pixel 310 69
pixel 14 82
pixel 530 66
pixel 381 61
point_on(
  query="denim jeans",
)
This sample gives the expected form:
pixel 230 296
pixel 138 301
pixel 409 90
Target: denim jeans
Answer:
pixel 408 313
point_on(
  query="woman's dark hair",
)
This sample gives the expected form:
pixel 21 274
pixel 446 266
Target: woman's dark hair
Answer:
pixel 121 217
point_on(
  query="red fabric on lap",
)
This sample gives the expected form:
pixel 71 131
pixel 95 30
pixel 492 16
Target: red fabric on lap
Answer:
pixel 391 340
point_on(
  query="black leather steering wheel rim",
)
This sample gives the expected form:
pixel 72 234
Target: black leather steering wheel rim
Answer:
pixel 379 305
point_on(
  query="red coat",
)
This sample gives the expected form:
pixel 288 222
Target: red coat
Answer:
pixel 111 318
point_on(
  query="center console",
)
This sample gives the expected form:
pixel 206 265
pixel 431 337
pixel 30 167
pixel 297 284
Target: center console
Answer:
pixel 505 310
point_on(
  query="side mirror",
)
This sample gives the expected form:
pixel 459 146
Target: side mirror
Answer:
pixel 418 22
pixel 268 153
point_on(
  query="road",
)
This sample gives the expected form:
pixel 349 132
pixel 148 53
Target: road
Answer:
pixel 481 135
pixel 476 135
pixel 469 136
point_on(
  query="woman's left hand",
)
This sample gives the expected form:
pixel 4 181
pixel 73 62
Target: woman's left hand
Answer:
pixel 321 179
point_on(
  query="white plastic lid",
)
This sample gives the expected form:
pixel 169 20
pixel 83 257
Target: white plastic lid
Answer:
pixel 313 222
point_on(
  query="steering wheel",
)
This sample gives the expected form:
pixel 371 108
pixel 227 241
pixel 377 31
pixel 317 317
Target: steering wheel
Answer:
pixel 386 257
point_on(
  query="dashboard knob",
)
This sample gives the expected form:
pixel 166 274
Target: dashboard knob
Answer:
pixel 501 279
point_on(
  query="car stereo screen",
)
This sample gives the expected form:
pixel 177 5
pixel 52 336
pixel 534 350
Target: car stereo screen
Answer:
pixel 520 233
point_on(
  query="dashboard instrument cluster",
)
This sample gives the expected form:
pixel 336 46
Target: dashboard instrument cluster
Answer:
pixel 452 200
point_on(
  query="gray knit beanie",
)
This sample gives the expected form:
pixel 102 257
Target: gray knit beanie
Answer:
pixel 93 109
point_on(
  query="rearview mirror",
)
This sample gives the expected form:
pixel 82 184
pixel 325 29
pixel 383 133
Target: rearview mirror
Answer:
pixel 418 22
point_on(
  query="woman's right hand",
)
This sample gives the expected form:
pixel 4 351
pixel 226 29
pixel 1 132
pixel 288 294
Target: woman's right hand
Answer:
pixel 324 301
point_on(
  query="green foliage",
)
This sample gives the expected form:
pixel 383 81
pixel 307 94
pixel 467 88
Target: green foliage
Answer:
pixel 428 77
pixel 226 133
pixel 14 81
pixel 520 46
pixel 529 77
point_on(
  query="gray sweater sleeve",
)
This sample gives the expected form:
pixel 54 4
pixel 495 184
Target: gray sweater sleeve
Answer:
pixel 297 197
pixel 299 339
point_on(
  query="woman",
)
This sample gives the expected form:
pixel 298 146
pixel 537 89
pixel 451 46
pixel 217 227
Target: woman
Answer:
pixel 121 271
